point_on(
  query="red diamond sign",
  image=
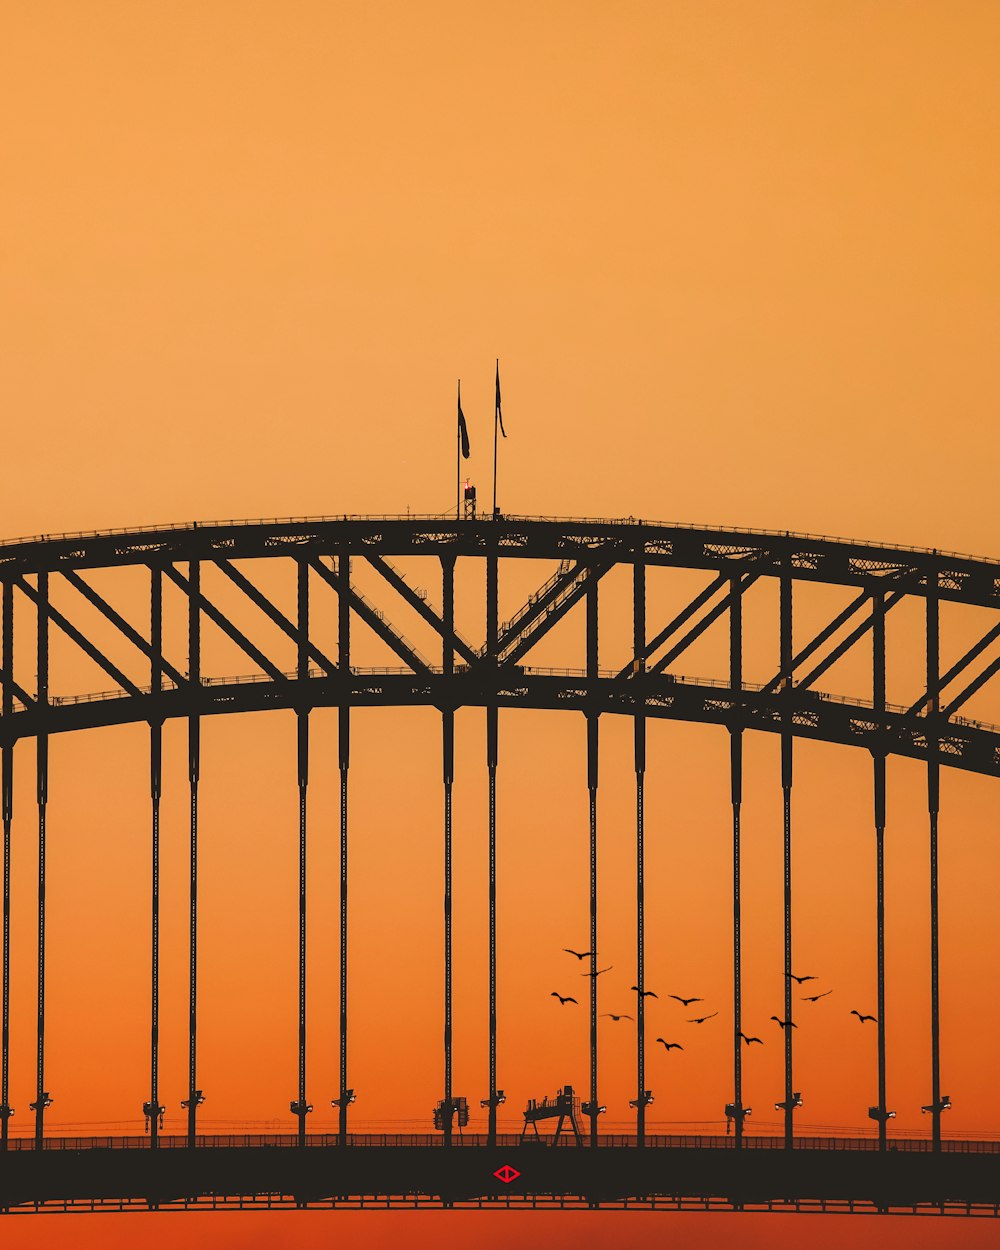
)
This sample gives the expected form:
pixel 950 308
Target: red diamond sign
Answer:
pixel 506 1174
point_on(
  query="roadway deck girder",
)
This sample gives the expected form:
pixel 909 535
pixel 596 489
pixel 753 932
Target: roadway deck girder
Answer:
pixel 894 1179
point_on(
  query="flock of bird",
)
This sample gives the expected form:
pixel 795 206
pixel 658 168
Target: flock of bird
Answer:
pixel 686 1002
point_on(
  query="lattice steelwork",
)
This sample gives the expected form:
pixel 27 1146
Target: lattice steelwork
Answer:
pixel 497 674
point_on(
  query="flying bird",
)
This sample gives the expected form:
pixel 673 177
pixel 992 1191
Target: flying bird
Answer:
pixel 816 997
pixel 614 1017
pixel 799 980
pixel 645 993
pixel 562 1001
pixel 598 972
pixel 670 1045
pixel 748 1040
pixel 784 1023
pixel 702 1019
pixel 578 954
pixel 862 1018
pixel 685 1001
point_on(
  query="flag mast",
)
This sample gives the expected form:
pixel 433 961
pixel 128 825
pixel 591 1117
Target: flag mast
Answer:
pixel 495 444
pixel 497 421
pixel 461 450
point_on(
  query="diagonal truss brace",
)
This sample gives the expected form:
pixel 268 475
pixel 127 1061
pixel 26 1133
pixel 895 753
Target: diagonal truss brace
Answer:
pixel 845 644
pixel 546 596
pixel 546 607
pixel 394 579
pixel 973 653
pixel 372 618
pixel 695 632
pixel 824 635
pixel 84 643
pixel 267 607
pixel 7 681
pixel 974 685
pixel 679 620
pixel 122 625
pixel 227 627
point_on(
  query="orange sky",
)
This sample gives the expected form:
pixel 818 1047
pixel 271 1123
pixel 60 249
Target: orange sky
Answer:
pixel 740 263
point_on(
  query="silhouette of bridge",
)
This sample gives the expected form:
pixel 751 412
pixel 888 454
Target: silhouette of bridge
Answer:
pixel 448 1167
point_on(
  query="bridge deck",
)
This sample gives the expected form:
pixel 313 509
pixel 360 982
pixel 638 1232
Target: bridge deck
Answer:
pixel 828 1174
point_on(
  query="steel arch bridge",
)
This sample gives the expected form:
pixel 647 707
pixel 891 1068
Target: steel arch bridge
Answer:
pixel 41 577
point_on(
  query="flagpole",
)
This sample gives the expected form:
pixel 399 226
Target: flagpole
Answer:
pixel 458 460
pixel 495 453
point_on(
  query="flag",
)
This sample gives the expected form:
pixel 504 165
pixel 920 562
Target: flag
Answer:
pixel 499 413
pixel 463 429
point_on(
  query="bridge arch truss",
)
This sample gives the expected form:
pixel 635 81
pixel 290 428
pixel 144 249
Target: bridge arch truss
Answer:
pixel 39 578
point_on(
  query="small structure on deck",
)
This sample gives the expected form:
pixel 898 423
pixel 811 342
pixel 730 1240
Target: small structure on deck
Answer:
pixel 469 501
pixel 564 1106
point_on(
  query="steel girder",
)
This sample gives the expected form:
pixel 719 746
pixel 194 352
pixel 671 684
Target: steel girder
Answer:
pixel 963 745
pixel 586 550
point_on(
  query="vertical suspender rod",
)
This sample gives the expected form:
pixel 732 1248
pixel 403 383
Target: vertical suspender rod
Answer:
pixel 300 1108
pixel 736 796
pixel 344 753
pixel 639 651
pixel 878 701
pixel 153 1110
pixel 448 744
pixel 194 1097
pixel 8 813
pixel 592 776
pixel 786 790
pixel 492 753
pixel 42 1099
pixel 933 807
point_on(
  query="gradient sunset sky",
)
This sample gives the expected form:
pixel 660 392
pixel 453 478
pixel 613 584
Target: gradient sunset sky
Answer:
pixel 740 262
